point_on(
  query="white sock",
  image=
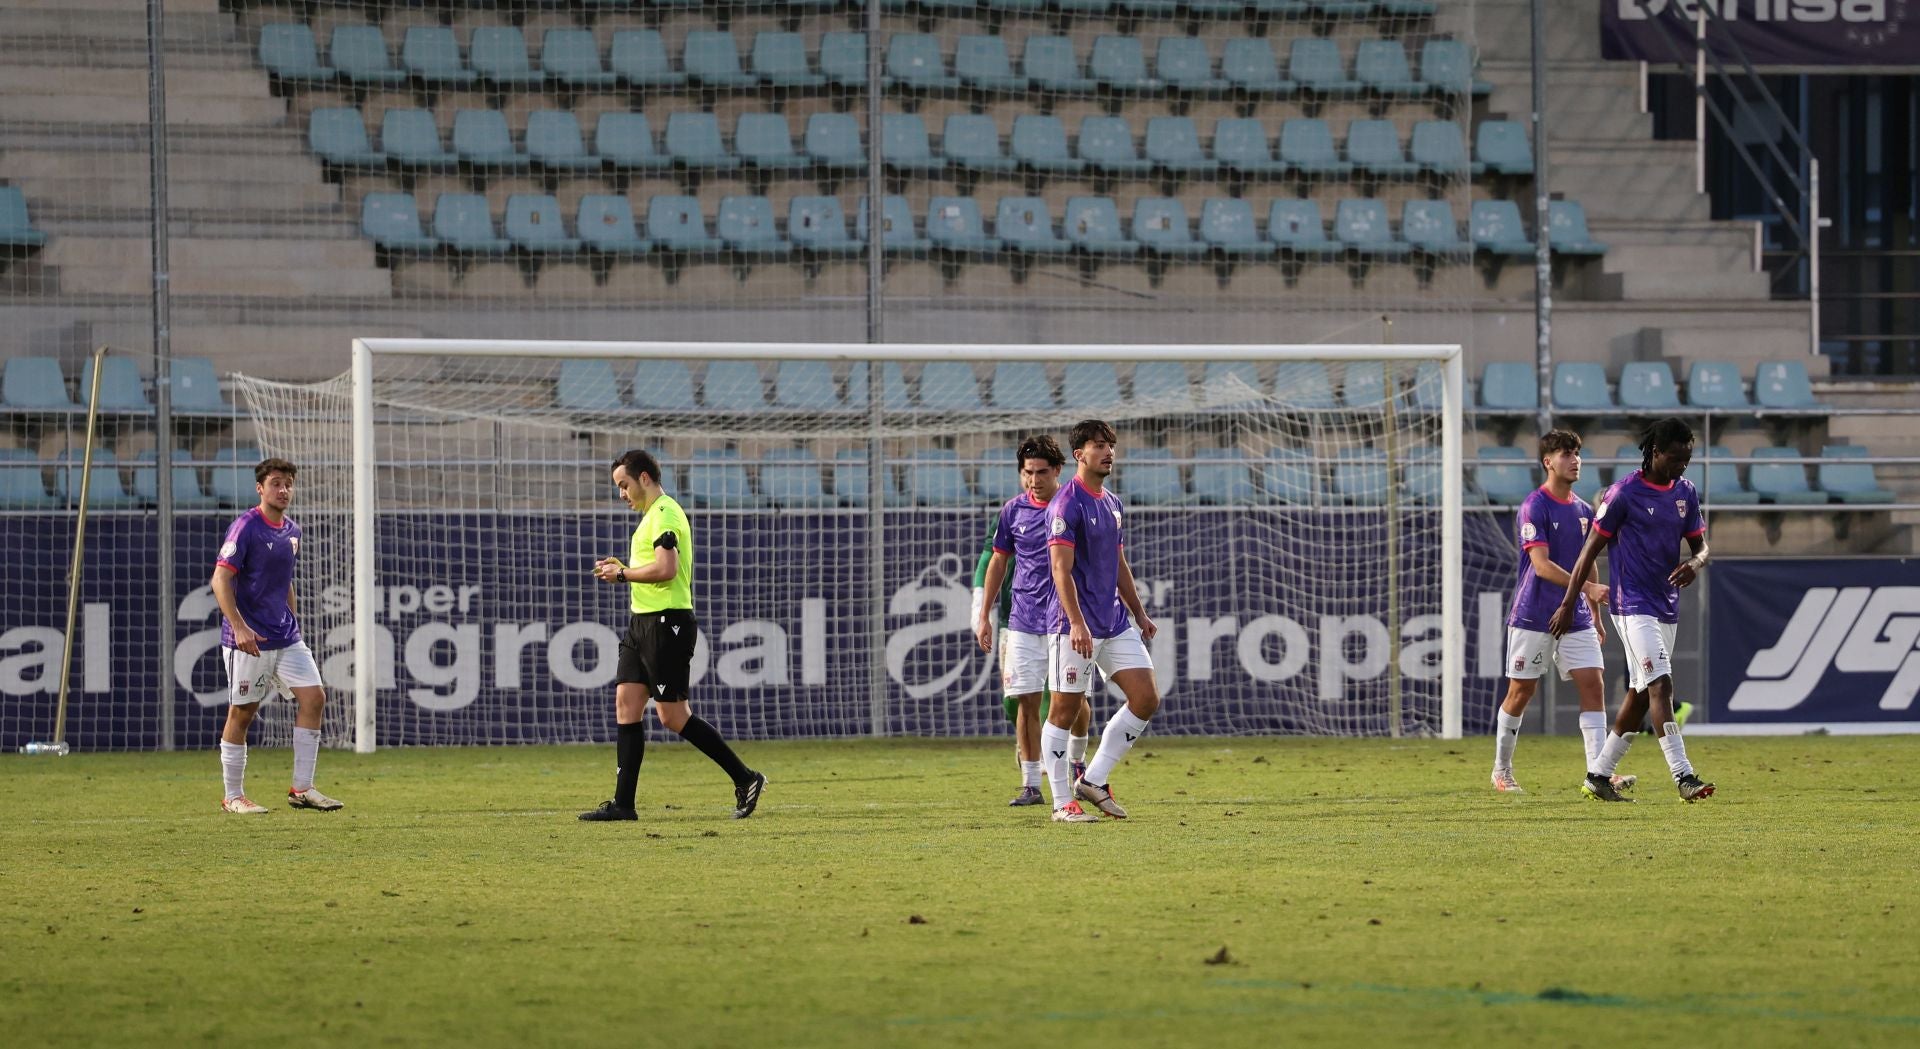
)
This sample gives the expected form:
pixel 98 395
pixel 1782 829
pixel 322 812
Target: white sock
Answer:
pixel 1610 754
pixel 1676 751
pixel 1115 741
pixel 1593 732
pixel 233 767
pixel 1077 748
pixel 1504 739
pixel 1030 774
pixel 306 751
pixel 1053 754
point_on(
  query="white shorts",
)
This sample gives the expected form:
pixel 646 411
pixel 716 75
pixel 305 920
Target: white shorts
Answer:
pixel 1649 645
pixel 1023 662
pixel 1069 671
pixel 1529 650
pixel 255 679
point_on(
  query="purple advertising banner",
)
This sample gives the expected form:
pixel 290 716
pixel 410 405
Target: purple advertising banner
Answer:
pixel 1768 32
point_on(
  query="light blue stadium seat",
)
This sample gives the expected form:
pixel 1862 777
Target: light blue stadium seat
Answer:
pixel 17 233
pixel 843 59
pixel 712 59
pixel 1715 384
pixel 852 480
pixel 1224 9
pixel 1295 224
pixel 833 141
pixel 1160 226
pixel 499 55
pixel 481 138
pixel 605 224
pixel 1502 147
pixel 196 388
pixel 1423 483
pixel 734 386
pixel 290 54
pixel 915 63
pixel 1429 387
pixel 1303 384
pixel 431 55
pixel 1581 386
pixel 464 223
pixel 1360 476
pixel 1032 7
pixel 1362 226
pixel 1446 66
pixel 1567 230
pixel 1506 475
pixel 1039 143
pixel 1092 224
pixel 898 233
pixel 970 141
pixel 411 138
pixel 790 477
pixel 818 225
pixel 780 60
pixel 1850 482
pixel 1119 64
pixel 104 491
pixel 950 386
pixel 1342 8
pixel 1083 8
pixel 35 384
pixel 1782 483
pixel 339 137
pixel 587 386
pixel 936 478
pixel 1626 460
pixel 1089 384
pixel 994 481
pixel 639 57
pixel 1306 146
pixel 572 57
pixel 23 485
pixel 554 141
pixel 1374 147
pixel 625 142
pixel 1647 386
pixel 1363 387
pixel 392 221
pixel 981 63
pixel 1250 67
pixel 1315 64
pixel 1506 386
pixel 1050 64
pixel 1223 477
pixel 1408 8
pixel 1783 384
pixel 533 224
pixel 1381 66
pixel 1240 146
pixel 122 391
pixel 187 493
pixel 893 384
pixel 1149 477
pixel 1719 480
pixel 674 223
pixel 1024 224
pixel 1184 64
pixel 1437 149
pixel 954 224
pixel 717 479
pixel 805 385
pixel 764 141
pixel 1162 382
pixel 1229 382
pixel 904 146
pixel 1228 225
pixel 1019 386
pixel 1588 486
pixel 1173 147
pixel 1148 8
pixel 1428 227
pixel 693 141
pixel 662 384
pixel 1495 227
pixel 746 225
pixel 1291 476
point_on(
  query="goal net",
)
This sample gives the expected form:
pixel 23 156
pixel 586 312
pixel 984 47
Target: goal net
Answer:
pixel 1293 521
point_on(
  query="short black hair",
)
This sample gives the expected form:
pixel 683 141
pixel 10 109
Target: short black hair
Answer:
pixel 1559 441
pixel 1039 446
pixel 269 467
pixel 1663 434
pixel 639 461
pixel 1090 430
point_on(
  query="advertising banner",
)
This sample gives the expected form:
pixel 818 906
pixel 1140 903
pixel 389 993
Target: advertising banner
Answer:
pixel 1769 32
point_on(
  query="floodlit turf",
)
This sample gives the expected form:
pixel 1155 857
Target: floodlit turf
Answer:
pixel 1267 891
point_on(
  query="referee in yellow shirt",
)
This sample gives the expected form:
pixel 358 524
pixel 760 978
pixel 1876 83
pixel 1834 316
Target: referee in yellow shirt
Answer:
pixel 656 655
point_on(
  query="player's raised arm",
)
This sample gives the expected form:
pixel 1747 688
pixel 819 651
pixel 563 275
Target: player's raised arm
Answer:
pixel 1130 597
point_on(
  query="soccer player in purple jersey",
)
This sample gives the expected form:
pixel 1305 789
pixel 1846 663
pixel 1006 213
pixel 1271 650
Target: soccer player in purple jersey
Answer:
pixel 1094 592
pixel 260 640
pixel 1020 538
pixel 1552 526
pixel 1644 516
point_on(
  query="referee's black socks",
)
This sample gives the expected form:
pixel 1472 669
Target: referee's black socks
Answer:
pixel 707 738
pixel 630 748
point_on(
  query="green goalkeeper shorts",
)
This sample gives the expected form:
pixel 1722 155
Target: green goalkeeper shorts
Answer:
pixel 1012 705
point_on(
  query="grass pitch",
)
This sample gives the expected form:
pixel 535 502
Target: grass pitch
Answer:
pixel 1267 891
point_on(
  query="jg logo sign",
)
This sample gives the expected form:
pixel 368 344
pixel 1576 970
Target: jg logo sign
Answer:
pixel 1858 630
pixel 1843 653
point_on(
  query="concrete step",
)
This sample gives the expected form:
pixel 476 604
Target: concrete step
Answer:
pixel 1674 258
pixel 1635 181
pixel 183 166
pixel 1640 286
pixel 193 23
pixel 52 79
pixel 237 252
pixel 1744 345
pixel 1504 31
pixel 78 196
pixel 238 282
pixel 115 109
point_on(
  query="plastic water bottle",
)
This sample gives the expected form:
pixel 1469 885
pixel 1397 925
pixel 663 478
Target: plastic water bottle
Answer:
pixel 56 749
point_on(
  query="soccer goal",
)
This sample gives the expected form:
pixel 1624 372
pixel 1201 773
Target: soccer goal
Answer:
pixel 1293 520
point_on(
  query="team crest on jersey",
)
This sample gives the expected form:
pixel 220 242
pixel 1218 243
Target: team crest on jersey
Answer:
pixel 229 549
pixel 1059 525
pixel 295 543
pixel 1584 523
pixel 1602 512
pixel 1680 505
pixel 1116 518
pixel 1528 533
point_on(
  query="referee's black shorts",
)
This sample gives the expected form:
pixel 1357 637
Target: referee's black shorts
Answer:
pixel 657 652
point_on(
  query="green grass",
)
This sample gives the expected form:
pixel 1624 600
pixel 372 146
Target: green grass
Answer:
pixel 1363 891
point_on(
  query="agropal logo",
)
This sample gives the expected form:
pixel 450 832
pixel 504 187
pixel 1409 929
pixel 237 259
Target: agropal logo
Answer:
pixel 1853 630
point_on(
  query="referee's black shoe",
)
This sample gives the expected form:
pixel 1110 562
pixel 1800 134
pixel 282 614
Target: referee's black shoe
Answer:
pixel 608 812
pixel 747 795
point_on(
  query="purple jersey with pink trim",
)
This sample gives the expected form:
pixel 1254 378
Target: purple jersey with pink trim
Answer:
pixel 1091 524
pixel 1561 527
pixel 1022 535
pixel 1647 523
pixel 261 557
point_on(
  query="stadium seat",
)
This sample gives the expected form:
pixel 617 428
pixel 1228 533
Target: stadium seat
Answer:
pixel 1160 226
pixel 1423 483
pixel 1362 226
pixel 1092 224
pixel 1162 382
pixel 187 493
pixel 1228 226
pixel 894 384
pixel 1183 64
pixel 431 55
pixel 1222 477
pixel 852 479
pixel 1027 7
pixel 970 141
pixel 833 141
pixel 1295 224
pixel 936 478
pixel 733 386
pixel 1373 146
pixel 463 222
pixel 1437 149
pixel 1149 477
pixel 587 386
pixel 903 145
pixel 949 386
pixel 1495 227
pixel 1506 386
pixel 481 139
pixel 1783 483
pixel 639 58
pixel 1363 387
pixel 554 142
pixel 339 137
pixel 805 385
pixel 993 479
pixel 746 225
pixel 1106 144
pixel 1428 227
pixel 1589 486
pixel 534 224
pixel 662 384
pixel 818 225
pixel 1360 476
pixel 780 60
pixel 104 490
pixel 1381 67
pixel 1715 384
pixel 1626 460
pixel 1446 67
pixel 1148 8
pixel 291 56
pixel 411 139
pixel 16 227
pixel 954 225
pixel 1018 386
pixel 23 485
pixel 122 391
pixel 763 141
pixel 392 221
pixel 1228 382
pixel 1083 8
pixel 1720 480
pixel 693 141
pixel 1249 66
pixel 1291 476
pixel 1050 64
pixel 1240 146
pixel 1647 386
pixel 1039 143
pixel 1342 8
pixel 1119 64
pixel 624 142
pixel 196 388
pixel 898 235
pixel 674 223
pixel 1306 146
pixel 1783 384
pixel 1089 384
pixel 717 479
pixel 981 63
pixel 915 63
pixel 1567 230
pixel 1581 386
pixel 790 477
pixel 1303 384
pixel 1315 64
pixel 843 59
pixel 1506 475
pixel 1173 147
pixel 711 59
pixel 35 384
pixel 572 57
pixel 499 55
pixel 1501 147
pixel 1429 387
pixel 1850 482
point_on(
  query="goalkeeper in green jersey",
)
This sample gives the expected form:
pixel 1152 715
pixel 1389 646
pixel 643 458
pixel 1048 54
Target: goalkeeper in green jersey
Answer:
pixel 1015 568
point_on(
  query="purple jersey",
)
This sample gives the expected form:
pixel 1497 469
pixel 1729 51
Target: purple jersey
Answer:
pixel 1091 525
pixel 261 557
pixel 1022 535
pixel 1561 527
pixel 1646 522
